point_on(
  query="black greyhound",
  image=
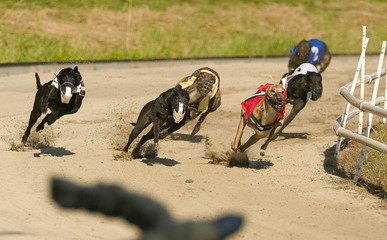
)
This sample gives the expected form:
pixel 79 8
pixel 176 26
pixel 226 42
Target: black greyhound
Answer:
pixel 312 51
pixel 166 111
pixel 62 96
pixel 303 84
pixel 151 217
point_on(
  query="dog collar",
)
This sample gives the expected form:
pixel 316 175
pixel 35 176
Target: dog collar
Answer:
pixel 78 89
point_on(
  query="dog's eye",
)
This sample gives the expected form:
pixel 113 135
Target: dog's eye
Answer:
pixel 272 90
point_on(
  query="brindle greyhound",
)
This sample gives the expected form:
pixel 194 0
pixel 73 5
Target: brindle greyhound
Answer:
pixel 62 96
pixel 313 51
pixel 264 118
pixel 204 93
pixel 204 97
pixel 152 218
pixel 164 112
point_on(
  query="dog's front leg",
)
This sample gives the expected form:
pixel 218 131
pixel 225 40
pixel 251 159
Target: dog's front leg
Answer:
pixel 49 93
pixel 174 127
pixel 156 129
pixel 298 105
pixel 271 136
pixel 73 106
pixel 212 106
pixel 241 126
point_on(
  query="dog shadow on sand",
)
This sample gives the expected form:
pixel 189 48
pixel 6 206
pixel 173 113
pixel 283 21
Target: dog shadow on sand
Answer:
pixel 44 147
pixel 53 152
pixel 186 137
pixel 148 154
pixel 294 135
pixel 164 161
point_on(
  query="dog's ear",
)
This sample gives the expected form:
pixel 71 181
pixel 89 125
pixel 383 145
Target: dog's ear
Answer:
pixel 197 73
pixel 178 87
pixel 76 69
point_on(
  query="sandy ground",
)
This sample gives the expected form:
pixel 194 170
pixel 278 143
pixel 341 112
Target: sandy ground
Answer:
pixel 287 194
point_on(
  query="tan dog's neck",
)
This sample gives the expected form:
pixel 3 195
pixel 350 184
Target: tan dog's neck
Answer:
pixel 263 111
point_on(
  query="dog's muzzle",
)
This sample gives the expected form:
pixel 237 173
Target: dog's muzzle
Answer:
pixel 179 114
pixel 277 102
pixel 66 92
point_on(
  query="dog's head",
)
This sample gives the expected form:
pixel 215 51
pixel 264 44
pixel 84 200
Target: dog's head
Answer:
pixel 180 102
pixel 314 82
pixel 204 81
pixel 276 96
pixel 68 80
pixel 300 56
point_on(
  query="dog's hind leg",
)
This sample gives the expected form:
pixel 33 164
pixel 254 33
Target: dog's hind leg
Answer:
pixel 33 118
pixel 41 124
pixel 144 139
pixel 135 132
pixel 269 138
pixel 253 139
pixel 143 121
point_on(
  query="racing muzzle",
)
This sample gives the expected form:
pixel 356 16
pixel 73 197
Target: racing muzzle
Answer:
pixel 66 92
pixel 278 102
pixel 179 114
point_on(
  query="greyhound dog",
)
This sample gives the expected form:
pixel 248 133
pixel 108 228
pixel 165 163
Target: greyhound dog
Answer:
pixel 150 216
pixel 205 97
pixel 313 51
pixel 169 109
pixel 264 117
pixel 62 96
pixel 302 85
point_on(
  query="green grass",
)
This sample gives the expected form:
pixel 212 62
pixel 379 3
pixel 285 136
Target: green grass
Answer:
pixel 374 169
pixel 31 30
pixel 376 162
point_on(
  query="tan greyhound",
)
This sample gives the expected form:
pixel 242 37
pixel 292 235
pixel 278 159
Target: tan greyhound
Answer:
pixel 264 117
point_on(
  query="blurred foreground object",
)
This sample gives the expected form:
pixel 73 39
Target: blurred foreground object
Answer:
pixel 151 217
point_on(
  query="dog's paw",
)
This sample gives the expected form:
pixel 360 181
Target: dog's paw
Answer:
pixel 136 153
pixel 40 127
pixel 262 152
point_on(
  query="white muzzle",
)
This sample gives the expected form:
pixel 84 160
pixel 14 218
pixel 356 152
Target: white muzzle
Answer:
pixel 179 115
pixel 66 96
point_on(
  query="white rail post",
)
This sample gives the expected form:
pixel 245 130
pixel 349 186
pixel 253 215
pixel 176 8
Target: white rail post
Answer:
pixel 370 115
pixel 345 116
pixel 360 129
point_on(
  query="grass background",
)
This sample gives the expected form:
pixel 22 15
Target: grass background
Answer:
pixel 54 30
pixel 57 30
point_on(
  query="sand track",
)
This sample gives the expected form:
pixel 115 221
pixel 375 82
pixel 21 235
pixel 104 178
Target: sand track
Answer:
pixel 285 195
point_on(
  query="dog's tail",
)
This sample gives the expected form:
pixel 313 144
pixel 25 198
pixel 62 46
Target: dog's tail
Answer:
pixel 38 84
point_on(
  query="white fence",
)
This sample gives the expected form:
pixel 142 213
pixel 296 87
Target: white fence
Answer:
pixel 361 106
